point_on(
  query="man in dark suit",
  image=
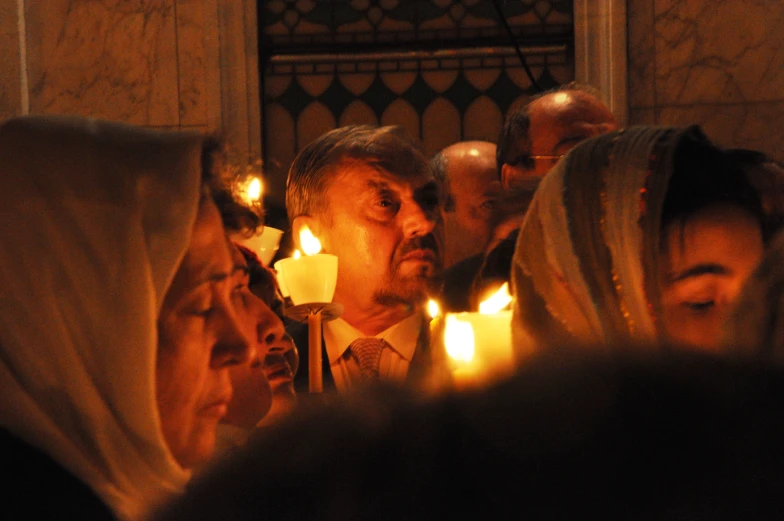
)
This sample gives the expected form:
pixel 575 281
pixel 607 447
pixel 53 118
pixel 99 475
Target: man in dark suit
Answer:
pixel 369 196
pixel 532 140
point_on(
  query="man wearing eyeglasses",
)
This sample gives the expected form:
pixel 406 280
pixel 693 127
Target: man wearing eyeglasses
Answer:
pixel 532 141
pixel 547 127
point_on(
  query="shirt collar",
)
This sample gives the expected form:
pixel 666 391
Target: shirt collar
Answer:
pixel 403 337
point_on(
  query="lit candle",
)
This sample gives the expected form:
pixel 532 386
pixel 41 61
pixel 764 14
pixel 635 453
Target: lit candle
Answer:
pixel 251 189
pixel 309 278
pixel 479 345
pixel 433 309
pixel 310 282
pixel 439 377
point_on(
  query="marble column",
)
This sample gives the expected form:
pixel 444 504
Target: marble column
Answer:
pixel 600 51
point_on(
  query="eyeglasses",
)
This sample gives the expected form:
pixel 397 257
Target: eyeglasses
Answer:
pixel 528 162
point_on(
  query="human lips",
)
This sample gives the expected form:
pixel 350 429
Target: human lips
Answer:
pixel 278 372
pixel 217 408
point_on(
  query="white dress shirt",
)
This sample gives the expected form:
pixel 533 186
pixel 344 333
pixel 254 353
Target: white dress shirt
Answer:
pixel 395 360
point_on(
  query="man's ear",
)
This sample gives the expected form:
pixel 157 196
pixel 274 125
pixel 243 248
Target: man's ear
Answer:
pixel 305 221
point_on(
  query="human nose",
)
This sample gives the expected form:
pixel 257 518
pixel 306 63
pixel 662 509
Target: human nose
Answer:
pixel 270 332
pixel 417 220
pixel 287 350
pixel 232 347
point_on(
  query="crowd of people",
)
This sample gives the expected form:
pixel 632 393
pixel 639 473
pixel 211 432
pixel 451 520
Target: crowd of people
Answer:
pixel 150 371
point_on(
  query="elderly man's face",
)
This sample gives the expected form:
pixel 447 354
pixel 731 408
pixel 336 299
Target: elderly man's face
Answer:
pixel 559 121
pixel 386 231
pixel 474 191
pixel 199 337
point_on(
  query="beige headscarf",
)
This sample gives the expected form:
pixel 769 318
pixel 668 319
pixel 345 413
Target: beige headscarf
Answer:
pixel 586 260
pixel 95 218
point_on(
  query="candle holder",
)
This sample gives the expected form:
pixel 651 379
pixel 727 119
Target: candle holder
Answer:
pixel 309 282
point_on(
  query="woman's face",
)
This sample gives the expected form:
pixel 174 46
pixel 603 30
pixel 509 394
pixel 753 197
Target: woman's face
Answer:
pixel 706 261
pixel 282 360
pixel 199 337
pixel 252 392
pixel 280 366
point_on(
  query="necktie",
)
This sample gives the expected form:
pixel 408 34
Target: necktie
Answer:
pixel 367 352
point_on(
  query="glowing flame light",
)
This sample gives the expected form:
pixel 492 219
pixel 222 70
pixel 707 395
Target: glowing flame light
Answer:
pixel 250 190
pixel 296 255
pixel 310 244
pixel 432 308
pixel 255 189
pixel 496 302
pixel 459 339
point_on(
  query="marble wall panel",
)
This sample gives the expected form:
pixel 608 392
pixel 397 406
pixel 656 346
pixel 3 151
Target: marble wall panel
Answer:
pixel 240 113
pixel 10 79
pixel 719 51
pixel 641 59
pixel 192 27
pixel 759 126
pixel 114 59
pixel 717 63
pixel 643 116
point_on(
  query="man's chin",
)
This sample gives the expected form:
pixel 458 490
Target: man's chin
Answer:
pixel 412 291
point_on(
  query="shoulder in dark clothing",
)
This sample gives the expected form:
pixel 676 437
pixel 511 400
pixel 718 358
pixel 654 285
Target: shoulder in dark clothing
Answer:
pixel 466 282
pixel 35 487
pixel 576 434
pixel 458 280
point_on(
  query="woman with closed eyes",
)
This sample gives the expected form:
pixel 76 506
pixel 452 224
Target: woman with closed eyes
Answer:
pixel 642 235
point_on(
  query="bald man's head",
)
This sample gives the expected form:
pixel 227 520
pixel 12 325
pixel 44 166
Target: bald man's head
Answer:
pixel 545 129
pixel 470 184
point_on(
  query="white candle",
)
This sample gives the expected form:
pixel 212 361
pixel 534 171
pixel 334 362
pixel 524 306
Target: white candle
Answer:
pixel 310 278
pixel 479 345
pixel 284 290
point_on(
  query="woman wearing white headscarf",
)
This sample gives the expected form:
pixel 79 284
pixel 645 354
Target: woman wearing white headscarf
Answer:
pixel 116 328
pixel 641 235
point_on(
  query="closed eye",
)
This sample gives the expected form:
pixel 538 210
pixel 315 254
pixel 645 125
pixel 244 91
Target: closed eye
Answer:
pixel 700 306
pixel 204 313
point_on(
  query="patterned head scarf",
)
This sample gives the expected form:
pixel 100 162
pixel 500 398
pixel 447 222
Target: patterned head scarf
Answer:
pixel 585 266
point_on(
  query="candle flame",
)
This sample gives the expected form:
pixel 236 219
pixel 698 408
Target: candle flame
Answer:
pixel 310 244
pixel 255 189
pixel 433 309
pixel 296 255
pixel 459 339
pixel 497 301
